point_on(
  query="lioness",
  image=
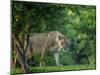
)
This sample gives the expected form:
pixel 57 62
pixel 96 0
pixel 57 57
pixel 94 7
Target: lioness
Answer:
pixel 46 42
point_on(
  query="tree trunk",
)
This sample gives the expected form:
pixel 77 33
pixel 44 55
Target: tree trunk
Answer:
pixel 21 52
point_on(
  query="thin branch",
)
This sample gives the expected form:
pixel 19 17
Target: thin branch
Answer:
pixel 17 45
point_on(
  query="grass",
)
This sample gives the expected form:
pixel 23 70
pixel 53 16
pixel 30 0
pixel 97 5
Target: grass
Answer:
pixel 55 69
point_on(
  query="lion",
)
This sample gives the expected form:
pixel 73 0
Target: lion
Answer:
pixel 42 43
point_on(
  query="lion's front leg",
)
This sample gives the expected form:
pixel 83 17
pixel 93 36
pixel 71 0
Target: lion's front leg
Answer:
pixel 56 55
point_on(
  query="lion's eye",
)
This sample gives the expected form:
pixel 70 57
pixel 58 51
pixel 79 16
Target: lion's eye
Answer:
pixel 62 42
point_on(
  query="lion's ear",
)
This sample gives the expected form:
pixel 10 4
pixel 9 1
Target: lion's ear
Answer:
pixel 60 37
